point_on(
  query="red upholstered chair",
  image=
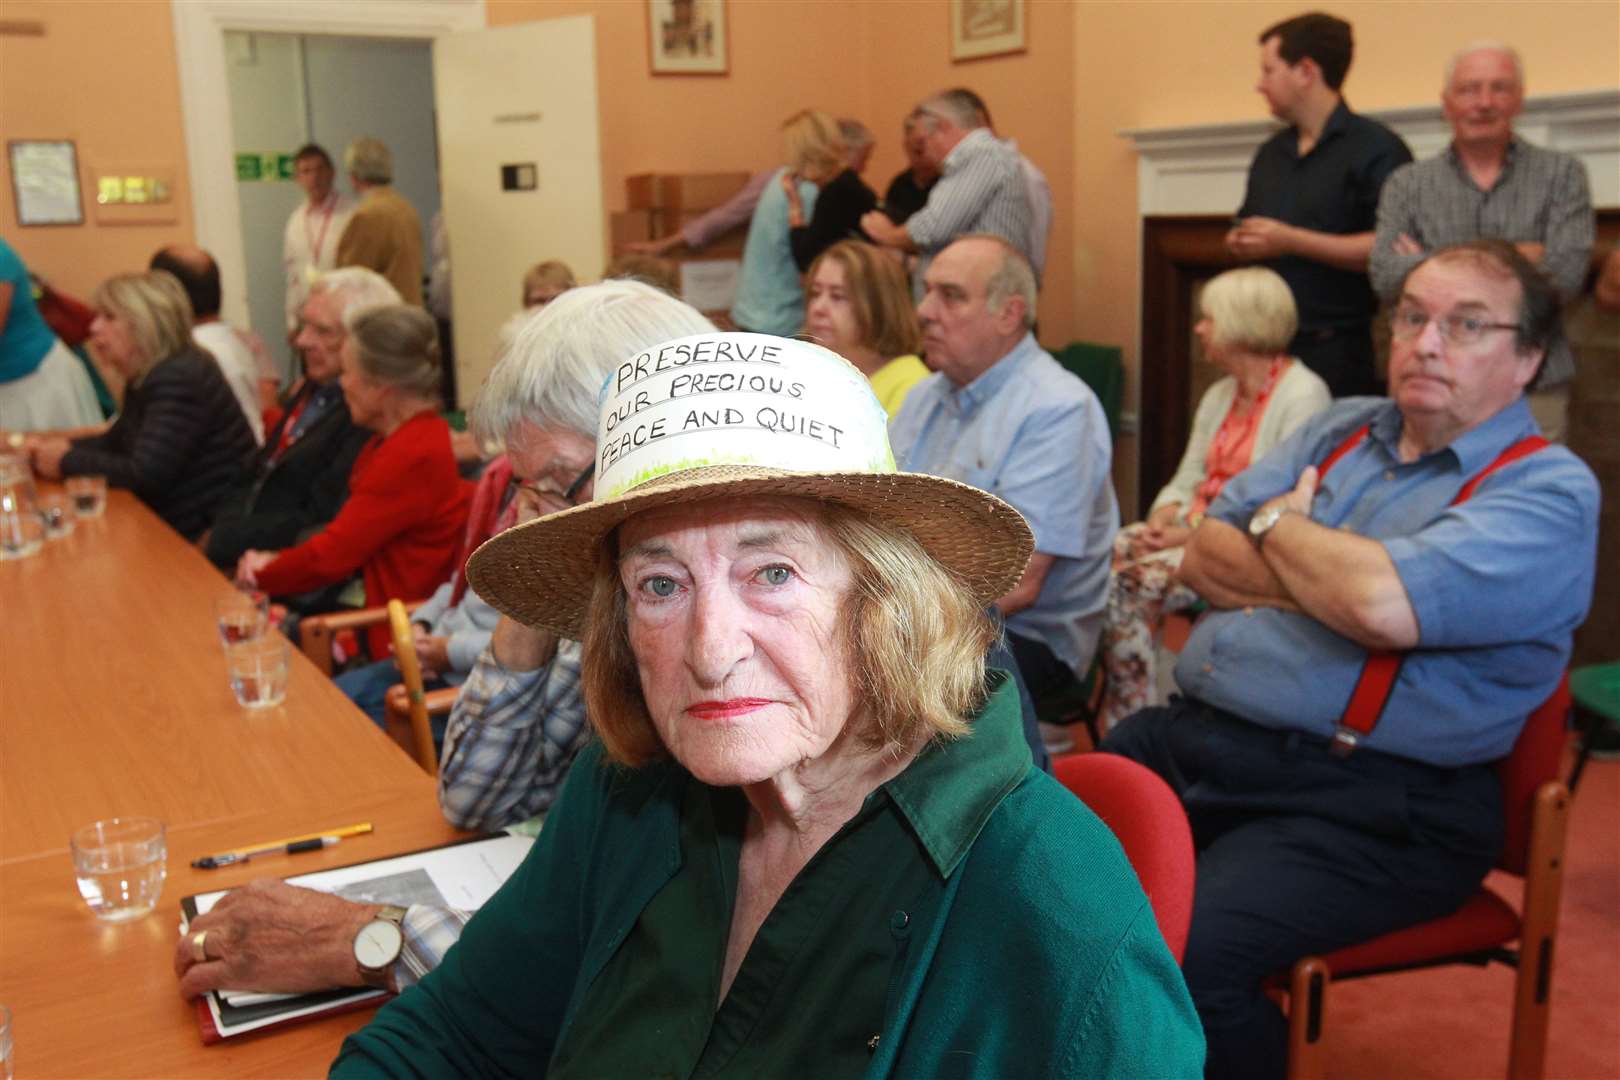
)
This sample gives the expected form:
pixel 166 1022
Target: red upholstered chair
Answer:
pixel 1151 826
pixel 1487 927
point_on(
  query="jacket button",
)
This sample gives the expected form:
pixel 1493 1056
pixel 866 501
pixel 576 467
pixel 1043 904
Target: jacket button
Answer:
pixel 872 1044
pixel 899 921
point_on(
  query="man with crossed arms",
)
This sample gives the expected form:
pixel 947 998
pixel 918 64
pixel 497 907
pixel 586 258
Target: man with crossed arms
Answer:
pixel 1347 541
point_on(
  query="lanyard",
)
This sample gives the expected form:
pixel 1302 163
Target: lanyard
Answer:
pixel 326 221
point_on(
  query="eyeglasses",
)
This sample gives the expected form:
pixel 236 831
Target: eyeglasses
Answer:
pixel 570 494
pixel 1408 322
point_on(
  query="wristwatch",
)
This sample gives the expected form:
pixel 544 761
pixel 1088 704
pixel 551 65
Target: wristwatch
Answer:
pixel 378 945
pixel 1266 520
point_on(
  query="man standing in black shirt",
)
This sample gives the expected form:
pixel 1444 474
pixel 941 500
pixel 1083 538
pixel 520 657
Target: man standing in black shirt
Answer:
pixel 1312 198
pixel 908 191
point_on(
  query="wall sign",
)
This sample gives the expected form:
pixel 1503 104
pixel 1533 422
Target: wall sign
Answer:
pixel 45 182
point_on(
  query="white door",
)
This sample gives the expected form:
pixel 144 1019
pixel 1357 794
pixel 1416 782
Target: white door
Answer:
pixel 510 99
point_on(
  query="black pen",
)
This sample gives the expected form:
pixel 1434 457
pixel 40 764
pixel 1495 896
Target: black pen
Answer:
pixel 211 862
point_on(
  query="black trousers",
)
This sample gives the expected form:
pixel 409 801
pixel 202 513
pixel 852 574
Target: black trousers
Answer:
pixel 1344 357
pixel 1300 852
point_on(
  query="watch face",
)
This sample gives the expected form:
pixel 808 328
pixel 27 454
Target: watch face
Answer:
pixel 378 944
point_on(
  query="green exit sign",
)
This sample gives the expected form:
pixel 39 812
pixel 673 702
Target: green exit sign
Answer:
pixel 263 166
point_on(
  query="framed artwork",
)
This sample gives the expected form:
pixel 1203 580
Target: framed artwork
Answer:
pixel 987 28
pixel 45 182
pixel 687 37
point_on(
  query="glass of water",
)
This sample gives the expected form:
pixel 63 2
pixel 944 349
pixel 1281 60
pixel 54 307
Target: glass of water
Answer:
pixel 57 514
pixel 89 495
pixel 22 533
pixel 5 1043
pixel 259 670
pixel 120 864
pixel 241 616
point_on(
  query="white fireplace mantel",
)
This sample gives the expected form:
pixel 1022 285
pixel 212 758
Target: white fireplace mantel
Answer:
pixel 1202 169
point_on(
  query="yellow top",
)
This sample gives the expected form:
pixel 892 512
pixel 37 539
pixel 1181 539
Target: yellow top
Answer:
pixel 892 381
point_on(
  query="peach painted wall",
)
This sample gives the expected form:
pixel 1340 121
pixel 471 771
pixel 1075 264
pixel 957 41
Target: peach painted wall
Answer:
pixel 103 75
pixel 1167 64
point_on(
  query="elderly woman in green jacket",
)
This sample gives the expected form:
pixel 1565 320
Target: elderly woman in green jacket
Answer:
pixel 809 840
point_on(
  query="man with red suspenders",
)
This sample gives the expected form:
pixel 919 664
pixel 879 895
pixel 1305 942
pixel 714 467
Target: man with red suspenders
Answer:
pixel 1394 590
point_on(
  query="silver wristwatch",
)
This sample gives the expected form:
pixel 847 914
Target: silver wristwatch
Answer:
pixel 1266 520
pixel 378 945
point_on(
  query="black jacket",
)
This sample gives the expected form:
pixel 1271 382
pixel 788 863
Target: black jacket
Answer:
pixel 277 502
pixel 178 443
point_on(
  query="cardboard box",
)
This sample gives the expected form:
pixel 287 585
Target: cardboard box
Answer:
pixel 697 191
pixel 729 243
pixel 641 191
pixel 631 225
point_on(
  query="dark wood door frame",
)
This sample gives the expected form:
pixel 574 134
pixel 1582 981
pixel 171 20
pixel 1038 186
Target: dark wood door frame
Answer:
pixel 1178 252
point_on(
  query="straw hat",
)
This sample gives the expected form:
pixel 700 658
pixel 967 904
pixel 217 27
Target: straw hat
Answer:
pixel 730 416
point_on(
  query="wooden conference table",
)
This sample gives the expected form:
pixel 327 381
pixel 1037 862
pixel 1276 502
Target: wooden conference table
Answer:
pixel 114 701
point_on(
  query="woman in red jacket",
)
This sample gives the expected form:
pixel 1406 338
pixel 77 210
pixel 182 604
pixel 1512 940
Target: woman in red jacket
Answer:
pixel 407 505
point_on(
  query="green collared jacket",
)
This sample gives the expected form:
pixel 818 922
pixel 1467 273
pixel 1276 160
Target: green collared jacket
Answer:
pixel 973 920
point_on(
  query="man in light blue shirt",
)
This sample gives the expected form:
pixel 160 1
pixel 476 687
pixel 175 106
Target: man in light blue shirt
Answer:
pixel 999 413
pixel 1363 543
pixel 769 297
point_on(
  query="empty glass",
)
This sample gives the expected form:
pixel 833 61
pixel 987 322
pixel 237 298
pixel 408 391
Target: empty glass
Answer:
pixel 259 671
pixel 89 495
pixel 120 864
pixel 56 513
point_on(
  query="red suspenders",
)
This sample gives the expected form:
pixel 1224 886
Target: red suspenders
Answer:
pixel 1378 675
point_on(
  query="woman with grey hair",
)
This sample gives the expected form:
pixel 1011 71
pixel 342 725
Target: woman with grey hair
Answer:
pixel 407 506
pixel 1247 320
pixel 180 438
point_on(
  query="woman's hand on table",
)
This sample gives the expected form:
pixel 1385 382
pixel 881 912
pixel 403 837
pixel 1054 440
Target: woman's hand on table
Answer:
pixel 249 565
pixel 273 937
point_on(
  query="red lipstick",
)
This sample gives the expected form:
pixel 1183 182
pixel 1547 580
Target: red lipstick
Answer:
pixel 725 710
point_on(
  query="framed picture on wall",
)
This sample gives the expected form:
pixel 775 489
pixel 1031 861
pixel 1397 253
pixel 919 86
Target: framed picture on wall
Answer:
pixel 987 28
pixel 687 37
pixel 45 182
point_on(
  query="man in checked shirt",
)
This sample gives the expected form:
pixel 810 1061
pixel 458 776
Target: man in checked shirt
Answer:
pixel 1491 184
pixel 519 720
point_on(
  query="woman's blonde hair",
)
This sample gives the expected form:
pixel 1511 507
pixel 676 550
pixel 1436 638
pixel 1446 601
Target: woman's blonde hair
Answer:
pixel 1252 309
pixel 398 346
pixel 880 293
pixel 155 306
pixel 913 639
pixel 553 272
pixel 815 147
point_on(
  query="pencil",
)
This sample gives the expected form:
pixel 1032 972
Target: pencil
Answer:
pixel 230 856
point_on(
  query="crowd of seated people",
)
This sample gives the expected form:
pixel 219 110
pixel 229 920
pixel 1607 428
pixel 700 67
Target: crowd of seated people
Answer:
pixel 1317 532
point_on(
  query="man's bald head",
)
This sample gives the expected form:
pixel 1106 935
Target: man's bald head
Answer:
pixel 197 273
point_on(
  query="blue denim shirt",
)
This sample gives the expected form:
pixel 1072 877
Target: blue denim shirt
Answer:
pixel 769 298
pixel 1035 435
pixel 1498 583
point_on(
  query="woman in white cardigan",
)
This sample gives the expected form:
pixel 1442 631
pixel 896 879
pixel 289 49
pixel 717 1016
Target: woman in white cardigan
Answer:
pixel 1248 319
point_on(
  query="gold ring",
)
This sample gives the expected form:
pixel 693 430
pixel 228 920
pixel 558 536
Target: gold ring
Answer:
pixel 199 946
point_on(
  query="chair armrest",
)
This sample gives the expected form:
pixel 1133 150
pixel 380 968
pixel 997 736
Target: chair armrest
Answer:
pixel 315 632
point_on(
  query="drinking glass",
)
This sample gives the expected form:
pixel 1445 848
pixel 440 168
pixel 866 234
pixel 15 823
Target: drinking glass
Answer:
pixel 89 495
pixel 241 616
pixel 5 1043
pixel 17 480
pixel 259 671
pixel 22 533
pixel 121 864
pixel 57 514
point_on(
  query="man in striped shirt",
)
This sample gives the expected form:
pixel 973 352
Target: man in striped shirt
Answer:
pixel 1489 183
pixel 981 189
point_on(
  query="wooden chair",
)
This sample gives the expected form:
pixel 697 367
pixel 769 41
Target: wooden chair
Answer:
pixel 1150 824
pixel 1536 808
pixel 405 653
pixel 315 632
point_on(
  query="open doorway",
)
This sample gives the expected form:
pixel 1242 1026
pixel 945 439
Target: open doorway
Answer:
pixel 287 90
